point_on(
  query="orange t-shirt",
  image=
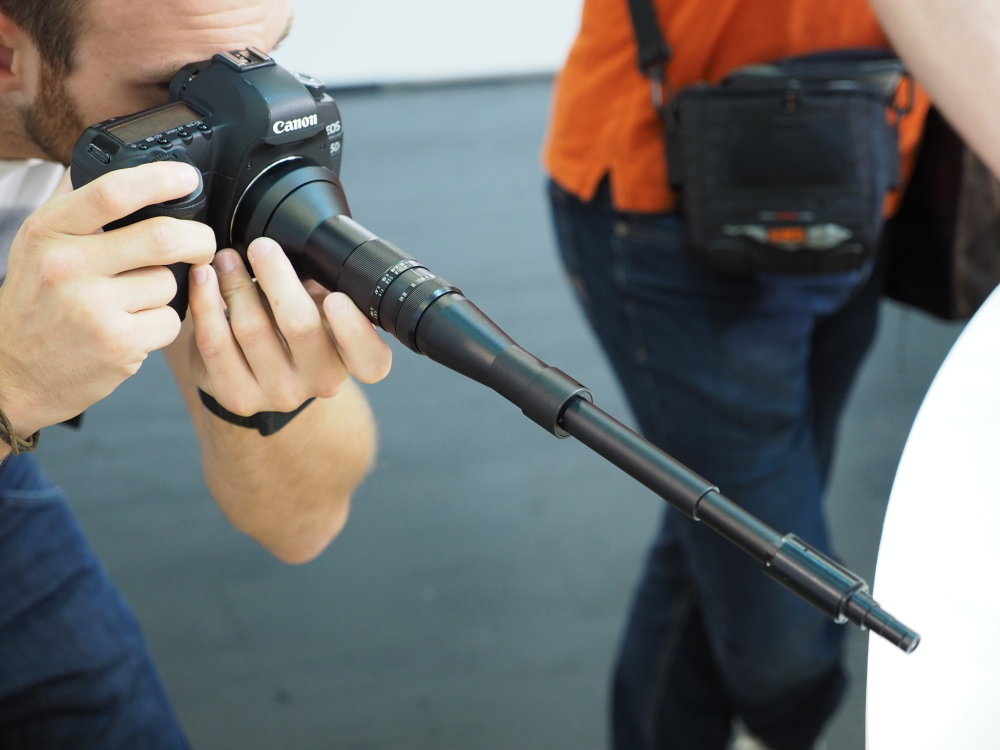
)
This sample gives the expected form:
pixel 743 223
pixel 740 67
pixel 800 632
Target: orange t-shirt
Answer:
pixel 604 123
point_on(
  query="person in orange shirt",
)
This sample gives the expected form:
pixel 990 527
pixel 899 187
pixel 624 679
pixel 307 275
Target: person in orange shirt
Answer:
pixel 741 376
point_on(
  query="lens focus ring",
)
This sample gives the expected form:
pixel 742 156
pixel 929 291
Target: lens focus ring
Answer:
pixel 407 299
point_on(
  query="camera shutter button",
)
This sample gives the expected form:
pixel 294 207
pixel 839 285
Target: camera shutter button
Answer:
pixel 314 85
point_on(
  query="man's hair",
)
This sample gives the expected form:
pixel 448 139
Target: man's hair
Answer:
pixel 52 24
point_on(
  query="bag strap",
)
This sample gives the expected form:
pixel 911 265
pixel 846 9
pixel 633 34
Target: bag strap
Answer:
pixel 654 51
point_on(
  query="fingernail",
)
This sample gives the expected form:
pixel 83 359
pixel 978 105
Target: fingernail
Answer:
pixel 337 304
pixel 199 274
pixel 261 247
pixel 225 262
pixel 187 175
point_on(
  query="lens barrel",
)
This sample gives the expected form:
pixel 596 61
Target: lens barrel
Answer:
pixel 303 207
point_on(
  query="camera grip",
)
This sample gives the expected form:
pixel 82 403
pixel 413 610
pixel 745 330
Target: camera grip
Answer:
pixel 188 207
pixel 180 300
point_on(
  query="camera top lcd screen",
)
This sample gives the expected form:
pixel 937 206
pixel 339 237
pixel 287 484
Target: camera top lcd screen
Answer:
pixel 154 122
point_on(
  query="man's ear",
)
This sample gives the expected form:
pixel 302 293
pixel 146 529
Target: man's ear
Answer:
pixel 14 42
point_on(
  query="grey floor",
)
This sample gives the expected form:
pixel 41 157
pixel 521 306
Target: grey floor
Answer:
pixel 475 597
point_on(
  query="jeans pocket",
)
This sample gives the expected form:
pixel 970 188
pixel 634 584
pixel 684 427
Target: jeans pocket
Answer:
pixel 563 206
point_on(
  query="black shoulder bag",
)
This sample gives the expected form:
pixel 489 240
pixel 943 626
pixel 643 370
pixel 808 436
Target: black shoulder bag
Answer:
pixel 943 253
pixel 784 166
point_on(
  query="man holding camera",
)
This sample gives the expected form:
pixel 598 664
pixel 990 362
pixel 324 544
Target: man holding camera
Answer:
pixel 81 309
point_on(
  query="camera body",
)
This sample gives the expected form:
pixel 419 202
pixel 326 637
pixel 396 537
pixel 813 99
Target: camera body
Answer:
pixel 235 118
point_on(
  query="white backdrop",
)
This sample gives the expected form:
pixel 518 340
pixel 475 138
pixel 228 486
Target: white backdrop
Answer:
pixel 389 41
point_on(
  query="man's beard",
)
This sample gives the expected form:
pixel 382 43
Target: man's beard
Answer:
pixel 51 120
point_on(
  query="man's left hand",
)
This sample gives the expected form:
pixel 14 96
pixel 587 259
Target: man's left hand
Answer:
pixel 267 345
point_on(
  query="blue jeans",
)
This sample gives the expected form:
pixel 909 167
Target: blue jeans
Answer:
pixel 74 669
pixel 743 379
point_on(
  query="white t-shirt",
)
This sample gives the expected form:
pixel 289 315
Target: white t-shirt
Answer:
pixel 24 186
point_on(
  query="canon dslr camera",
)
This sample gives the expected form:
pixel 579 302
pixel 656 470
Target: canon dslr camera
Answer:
pixel 255 131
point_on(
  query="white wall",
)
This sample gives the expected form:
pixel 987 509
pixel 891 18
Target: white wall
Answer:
pixel 379 41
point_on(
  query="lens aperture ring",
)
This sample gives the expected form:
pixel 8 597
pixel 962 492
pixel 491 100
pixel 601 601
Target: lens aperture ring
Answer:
pixel 378 293
pixel 391 288
pixel 406 301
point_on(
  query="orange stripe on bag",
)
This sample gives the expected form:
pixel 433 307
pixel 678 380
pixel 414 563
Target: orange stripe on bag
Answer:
pixel 787 235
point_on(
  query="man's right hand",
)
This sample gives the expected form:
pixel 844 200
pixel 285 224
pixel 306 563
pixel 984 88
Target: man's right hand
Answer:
pixel 81 309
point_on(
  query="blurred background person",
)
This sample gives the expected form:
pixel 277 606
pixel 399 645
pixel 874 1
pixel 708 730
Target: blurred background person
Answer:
pixel 741 376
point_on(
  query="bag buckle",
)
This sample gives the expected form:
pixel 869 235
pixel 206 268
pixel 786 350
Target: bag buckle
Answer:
pixel 909 87
pixel 660 89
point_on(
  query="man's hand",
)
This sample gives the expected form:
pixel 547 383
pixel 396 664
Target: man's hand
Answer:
pixel 81 309
pixel 266 346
